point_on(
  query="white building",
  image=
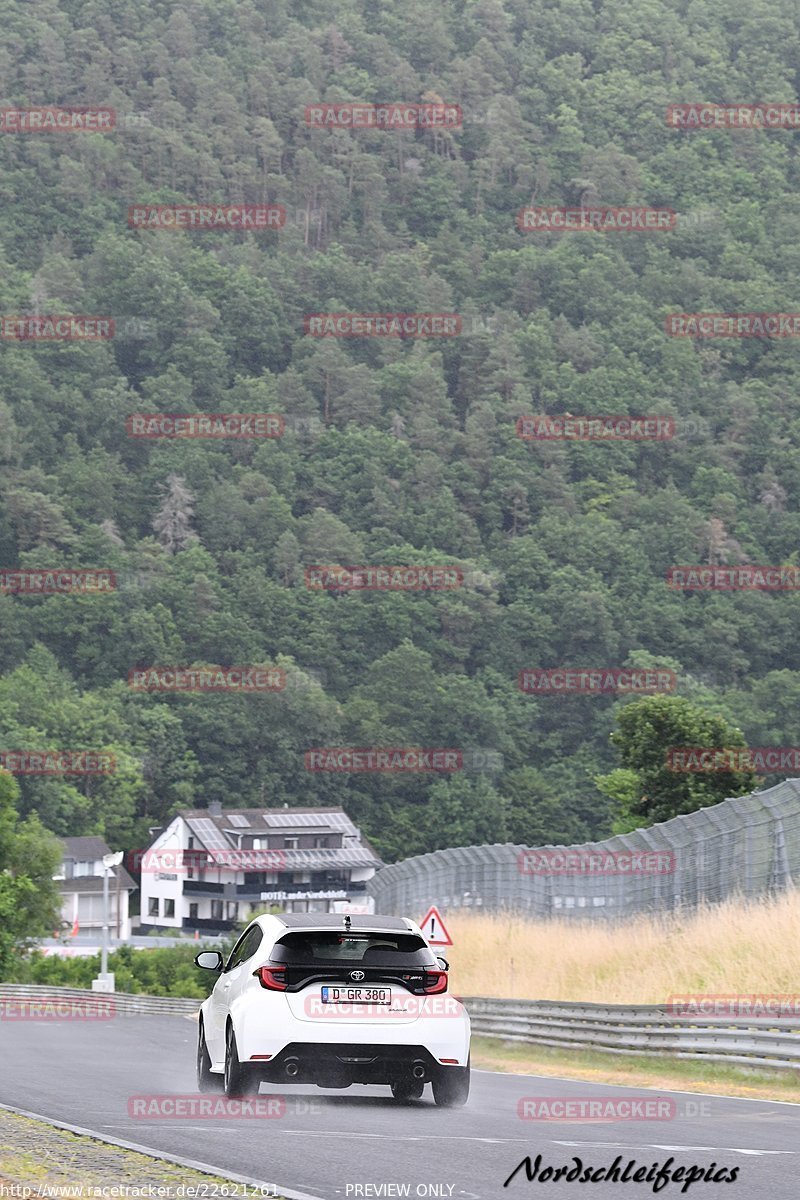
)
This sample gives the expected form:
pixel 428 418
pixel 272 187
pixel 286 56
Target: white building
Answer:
pixel 211 868
pixel 80 881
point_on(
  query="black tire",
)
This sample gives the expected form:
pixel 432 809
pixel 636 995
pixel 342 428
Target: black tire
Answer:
pixel 451 1086
pixel 239 1079
pixel 207 1081
pixel 408 1089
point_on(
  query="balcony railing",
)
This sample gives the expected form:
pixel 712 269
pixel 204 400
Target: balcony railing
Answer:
pixel 211 924
pixel 252 891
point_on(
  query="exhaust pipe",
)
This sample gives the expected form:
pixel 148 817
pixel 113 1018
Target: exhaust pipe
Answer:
pixel 418 1070
pixel 292 1067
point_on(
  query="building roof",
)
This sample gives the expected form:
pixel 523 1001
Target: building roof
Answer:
pixel 90 849
pixel 85 849
pixel 217 831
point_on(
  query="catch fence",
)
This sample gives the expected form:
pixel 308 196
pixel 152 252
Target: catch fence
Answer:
pixel 748 846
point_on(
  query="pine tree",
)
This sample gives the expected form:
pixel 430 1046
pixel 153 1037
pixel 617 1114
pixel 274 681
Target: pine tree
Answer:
pixel 172 523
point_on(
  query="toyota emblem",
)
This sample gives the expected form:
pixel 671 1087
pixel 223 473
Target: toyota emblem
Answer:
pixel 356 974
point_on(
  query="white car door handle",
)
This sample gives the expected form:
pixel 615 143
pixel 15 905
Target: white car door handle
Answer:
pixel 226 987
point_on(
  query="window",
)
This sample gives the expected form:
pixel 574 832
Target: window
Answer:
pixel 216 910
pixel 152 910
pixel 290 843
pixel 191 843
pixel 377 949
pixel 246 947
pixel 320 843
pixel 192 912
pixel 90 910
pixel 233 910
pixel 328 880
pixel 169 908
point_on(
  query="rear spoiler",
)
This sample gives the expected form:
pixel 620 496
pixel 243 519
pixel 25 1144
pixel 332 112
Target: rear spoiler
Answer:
pixel 346 928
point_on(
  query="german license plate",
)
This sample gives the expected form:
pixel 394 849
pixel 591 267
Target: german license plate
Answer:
pixel 356 995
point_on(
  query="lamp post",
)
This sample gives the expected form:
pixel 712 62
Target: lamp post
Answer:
pixel 105 982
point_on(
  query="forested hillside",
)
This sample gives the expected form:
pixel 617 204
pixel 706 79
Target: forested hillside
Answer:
pixel 396 451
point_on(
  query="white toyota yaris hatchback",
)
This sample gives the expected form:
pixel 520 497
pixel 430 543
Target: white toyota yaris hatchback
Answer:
pixel 333 1000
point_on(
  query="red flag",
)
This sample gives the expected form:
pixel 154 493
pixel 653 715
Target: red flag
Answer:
pixel 75 927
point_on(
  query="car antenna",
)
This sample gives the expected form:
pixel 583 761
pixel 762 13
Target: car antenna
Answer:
pixel 347 922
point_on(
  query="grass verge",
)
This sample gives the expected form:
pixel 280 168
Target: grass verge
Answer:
pixel 36 1157
pixel 493 1054
pixel 739 948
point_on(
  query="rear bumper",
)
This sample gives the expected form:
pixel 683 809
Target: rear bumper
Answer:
pixel 342 1063
pixel 261 1031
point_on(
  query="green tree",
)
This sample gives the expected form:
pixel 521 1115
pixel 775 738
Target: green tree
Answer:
pixel 647 730
pixel 29 857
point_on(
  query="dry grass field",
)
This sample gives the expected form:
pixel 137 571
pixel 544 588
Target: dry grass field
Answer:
pixel 732 948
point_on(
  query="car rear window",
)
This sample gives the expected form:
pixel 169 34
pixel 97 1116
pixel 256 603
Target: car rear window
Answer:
pixel 376 949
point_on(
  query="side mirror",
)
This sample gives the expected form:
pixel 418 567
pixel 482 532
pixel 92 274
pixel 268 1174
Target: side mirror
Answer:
pixel 443 963
pixel 209 960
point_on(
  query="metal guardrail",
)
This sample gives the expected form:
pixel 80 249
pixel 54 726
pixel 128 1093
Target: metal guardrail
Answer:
pixel 636 1029
pixel 632 1029
pixel 114 1003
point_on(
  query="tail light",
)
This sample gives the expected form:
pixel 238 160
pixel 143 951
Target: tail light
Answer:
pixel 435 981
pixel 272 978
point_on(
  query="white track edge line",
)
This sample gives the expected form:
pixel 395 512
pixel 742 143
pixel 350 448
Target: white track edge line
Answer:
pixel 637 1087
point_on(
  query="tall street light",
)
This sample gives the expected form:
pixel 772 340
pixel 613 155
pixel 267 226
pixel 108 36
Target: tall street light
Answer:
pixel 109 861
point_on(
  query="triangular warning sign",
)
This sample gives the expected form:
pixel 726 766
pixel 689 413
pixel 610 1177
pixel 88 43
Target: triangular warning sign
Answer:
pixel 434 929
